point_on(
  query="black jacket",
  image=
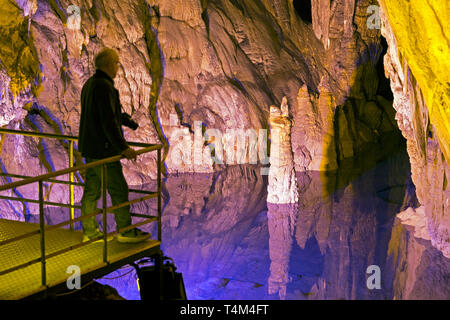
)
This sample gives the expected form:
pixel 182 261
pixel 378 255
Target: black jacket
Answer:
pixel 100 133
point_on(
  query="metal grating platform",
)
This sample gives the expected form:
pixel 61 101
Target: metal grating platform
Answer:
pixel 27 281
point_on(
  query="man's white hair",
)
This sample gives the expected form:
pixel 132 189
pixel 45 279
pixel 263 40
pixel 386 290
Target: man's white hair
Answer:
pixel 105 58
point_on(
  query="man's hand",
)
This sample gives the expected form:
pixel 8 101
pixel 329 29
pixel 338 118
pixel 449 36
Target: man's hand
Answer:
pixel 130 154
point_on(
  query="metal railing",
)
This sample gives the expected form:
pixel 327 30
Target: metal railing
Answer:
pixel 104 210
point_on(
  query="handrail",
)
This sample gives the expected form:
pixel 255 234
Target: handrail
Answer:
pixel 61 182
pixel 71 140
pixel 59 136
pixel 48 177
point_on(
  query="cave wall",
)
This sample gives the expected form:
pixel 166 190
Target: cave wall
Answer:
pixel 196 65
pixel 418 82
pixel 187 67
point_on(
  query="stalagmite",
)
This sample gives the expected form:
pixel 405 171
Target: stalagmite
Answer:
pixel 282 182
pixel 281 199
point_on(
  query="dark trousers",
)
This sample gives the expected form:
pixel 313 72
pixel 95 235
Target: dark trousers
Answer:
pixel 117 188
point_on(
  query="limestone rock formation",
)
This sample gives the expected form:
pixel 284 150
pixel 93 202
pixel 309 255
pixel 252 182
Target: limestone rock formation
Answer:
pixel 421 34
pixel 282 182
pixel 417 219
pixel 429 167
pixel 222 64
pixel 418 270
pixel 282 198
pixel 217 62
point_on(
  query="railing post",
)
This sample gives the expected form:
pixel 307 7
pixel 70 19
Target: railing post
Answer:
pixel 72 202
pixel 42 234
pixel 105 225
pixel 159 257
pixel 159 195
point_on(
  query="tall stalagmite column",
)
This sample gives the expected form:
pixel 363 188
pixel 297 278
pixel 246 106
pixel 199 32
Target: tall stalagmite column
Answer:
pixel 282 182
pixel 281 199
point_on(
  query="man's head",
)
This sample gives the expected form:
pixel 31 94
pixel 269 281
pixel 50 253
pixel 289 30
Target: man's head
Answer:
pixel 107 60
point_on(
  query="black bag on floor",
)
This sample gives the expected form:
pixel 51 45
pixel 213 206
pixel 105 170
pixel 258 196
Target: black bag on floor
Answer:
pixel 172 282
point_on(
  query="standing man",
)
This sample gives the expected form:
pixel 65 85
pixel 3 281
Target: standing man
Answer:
pixel 101 136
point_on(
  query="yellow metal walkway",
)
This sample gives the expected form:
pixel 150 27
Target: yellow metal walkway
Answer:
pixel 34 258
pixel 26 282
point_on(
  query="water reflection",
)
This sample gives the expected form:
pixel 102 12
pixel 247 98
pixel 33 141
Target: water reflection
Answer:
pixel 230 244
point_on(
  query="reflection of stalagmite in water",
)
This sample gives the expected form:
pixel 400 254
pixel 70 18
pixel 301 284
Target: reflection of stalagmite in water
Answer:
pixel 281 199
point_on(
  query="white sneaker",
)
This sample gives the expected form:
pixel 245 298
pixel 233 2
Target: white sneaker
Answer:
pixel 133 236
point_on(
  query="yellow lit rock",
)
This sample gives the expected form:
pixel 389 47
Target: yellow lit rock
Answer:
pixel 17 53
pixel 422 32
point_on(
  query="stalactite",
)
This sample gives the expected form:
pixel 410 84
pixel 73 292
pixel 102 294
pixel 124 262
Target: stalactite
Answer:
pixel 156 69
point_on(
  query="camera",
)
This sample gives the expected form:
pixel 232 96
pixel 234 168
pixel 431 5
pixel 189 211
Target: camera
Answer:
pixel 128 122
